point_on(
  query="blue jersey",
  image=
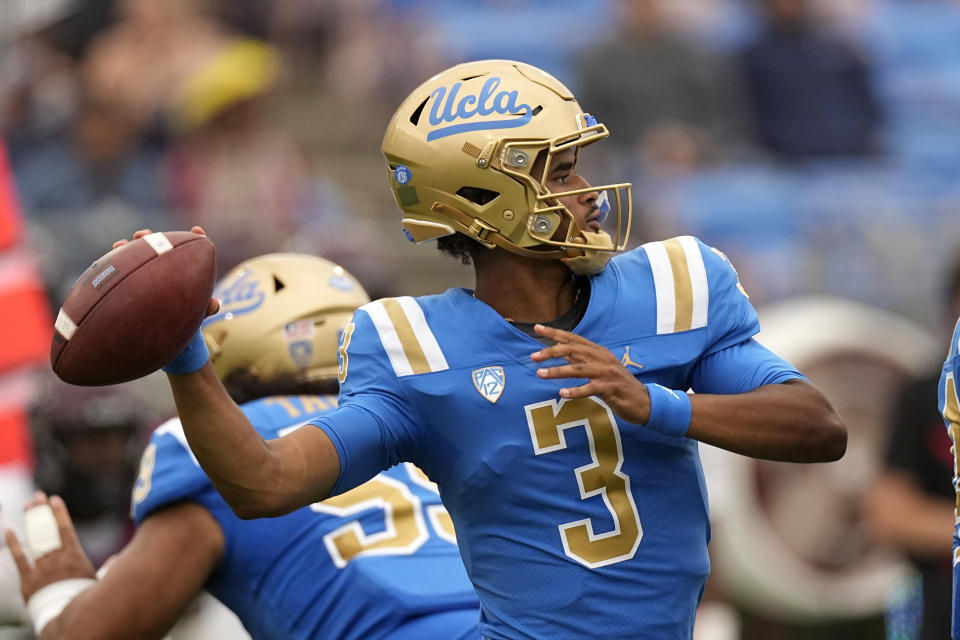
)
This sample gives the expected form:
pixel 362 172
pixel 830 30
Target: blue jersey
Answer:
pixel 950 408
pixel 571 522
pixel 376 562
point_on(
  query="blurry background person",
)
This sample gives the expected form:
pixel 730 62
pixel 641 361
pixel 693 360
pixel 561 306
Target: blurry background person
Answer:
pixel 660 94
pixel 809 90
pixel 231 170
pixel 88 442
pixel 380 561
pixel 910 505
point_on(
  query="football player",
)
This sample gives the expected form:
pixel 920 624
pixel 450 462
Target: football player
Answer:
pixel 571 472
pixel 950 408
pixel 377 562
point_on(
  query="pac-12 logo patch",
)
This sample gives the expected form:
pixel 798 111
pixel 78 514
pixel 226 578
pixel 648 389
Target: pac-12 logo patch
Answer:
pixel 489 382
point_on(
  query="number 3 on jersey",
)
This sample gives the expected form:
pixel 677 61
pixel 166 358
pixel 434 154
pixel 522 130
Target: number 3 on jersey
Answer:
pixel 548 421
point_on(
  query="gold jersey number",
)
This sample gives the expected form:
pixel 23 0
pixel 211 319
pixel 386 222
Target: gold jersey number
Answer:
pixel 603 477
pixel 404 529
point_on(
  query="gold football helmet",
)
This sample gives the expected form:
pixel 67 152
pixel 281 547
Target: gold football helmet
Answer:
pixel 281 314
pixel 460 151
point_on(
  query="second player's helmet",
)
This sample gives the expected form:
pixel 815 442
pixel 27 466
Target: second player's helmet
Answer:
pixel 281 315
pixel 460 150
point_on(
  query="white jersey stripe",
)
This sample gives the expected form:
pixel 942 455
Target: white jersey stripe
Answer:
pixel 428 342
pixel 174 427
pixel 698 280
pixel 389 337
pixel 663 286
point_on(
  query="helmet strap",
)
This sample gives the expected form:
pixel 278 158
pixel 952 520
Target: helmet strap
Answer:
pixel 590 261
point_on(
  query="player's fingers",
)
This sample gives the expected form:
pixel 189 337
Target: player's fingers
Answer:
pixel 576 370
pixel 141 233
pixel 68 534
pixel 552 352
pixel 198 229
pixel 583 391
pixel 38 498
pixel 213 306
pixel 119 243
pixel 559 335
pixel 16 551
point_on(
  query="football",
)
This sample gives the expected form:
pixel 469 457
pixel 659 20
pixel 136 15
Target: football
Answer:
pixel 133 310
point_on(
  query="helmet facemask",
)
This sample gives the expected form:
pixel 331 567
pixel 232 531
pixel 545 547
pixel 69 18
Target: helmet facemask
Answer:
pixel 549 222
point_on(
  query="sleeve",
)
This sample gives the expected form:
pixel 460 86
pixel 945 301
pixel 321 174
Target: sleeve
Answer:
pixel 169 473
pixel 731 317
pixel 375 424
pixel 741 368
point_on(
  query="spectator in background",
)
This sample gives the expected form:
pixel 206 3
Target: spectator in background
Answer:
pixel 141 61
pixel 38 91
pixel 98 170
pixel 99 157
pixel 230 169
pixel 911 505
pixel 659 94
pixel 810 92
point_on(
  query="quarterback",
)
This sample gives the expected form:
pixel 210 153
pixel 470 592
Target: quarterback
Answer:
pixel 379 561
pixel 550 403
pixel 950 408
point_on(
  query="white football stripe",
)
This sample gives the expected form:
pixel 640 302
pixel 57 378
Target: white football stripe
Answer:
pixel 158 242
pixel 389 338
pixel 698 280
pixel 428 342
pixel 65 325
pixel 663 286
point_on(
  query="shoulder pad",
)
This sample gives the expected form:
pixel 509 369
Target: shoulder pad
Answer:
pixel 680 282
pixel 169 472
pixel 406 336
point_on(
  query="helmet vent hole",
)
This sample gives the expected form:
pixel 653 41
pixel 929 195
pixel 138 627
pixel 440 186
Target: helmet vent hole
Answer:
pixel 277 284
pixel 536 110
pixel 476 195
pixel 470 77
pixel 415 116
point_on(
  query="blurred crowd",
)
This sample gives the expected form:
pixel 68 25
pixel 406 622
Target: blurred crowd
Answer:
pixel 816 141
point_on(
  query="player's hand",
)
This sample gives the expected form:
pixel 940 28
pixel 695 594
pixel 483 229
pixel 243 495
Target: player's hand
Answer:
pixel 62 563
pixel 214 305
pixel 608 379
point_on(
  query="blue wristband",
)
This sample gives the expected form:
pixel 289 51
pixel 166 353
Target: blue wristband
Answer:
pixel 193 356
pixel 669 411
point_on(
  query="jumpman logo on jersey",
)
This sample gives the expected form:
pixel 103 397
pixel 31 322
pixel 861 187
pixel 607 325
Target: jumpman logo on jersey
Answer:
pixel 626 361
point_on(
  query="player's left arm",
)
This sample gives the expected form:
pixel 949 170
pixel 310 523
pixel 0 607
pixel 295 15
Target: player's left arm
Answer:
pixel 749 400
pixel 148 585
pixel 790 421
